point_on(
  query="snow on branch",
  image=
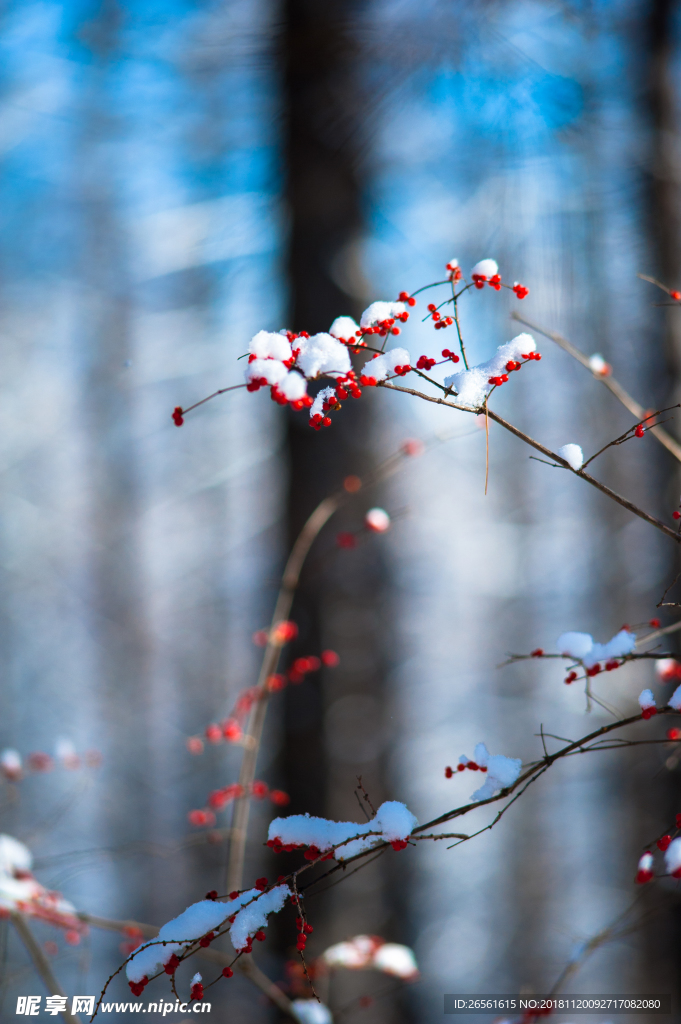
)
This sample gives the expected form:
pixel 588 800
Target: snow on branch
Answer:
pixel 393 823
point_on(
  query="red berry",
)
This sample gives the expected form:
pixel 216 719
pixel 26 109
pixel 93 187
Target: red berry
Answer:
pixel 643 875
pixel 227 972
pixel 213 733
pixel 537 653
pixel 178 418
pixel 675 295
pixel 570 677
pixel 330 659
pixel 448 772
pixel 172 965
pixel 260 936
pixel 212 895
pixel 676 515
pixel 655 623
pixel 639 431
pixel 206 940
pixel 663 843
pixel 261 883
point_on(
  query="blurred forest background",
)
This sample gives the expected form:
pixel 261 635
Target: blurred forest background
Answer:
pixel 179 175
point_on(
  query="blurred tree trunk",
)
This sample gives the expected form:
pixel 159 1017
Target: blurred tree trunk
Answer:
pixel 661 937
pixel 341 601
pixel 118 615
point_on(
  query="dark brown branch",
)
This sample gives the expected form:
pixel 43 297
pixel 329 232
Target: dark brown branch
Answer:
pixel 624 502
pixel 637 410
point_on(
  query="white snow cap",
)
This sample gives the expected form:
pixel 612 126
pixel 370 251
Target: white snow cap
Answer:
pixel 309 1011
pixel 646 862
pixel 501 771
pixel 665 670
pixel 597 363
pixel 14 856
pixel 20 891
pixel 322 354
pixel 196 980
pixel 393 821
pixel 293 386
pixel 672 857
pixel 266 345
pixel 646 699
pixel 392 958
pixel 10 762
pixel 577 645
pixel 381 366
pixel 379 311
pixel 370 951
pixel 344 328
pixel 377 519
pixel 675 699
pixel 572 454
pixel 581 647
pixel 485 268
pixel 317 407
pixel 197 920
pixel 270 370
pixel 253 917
pixel 471 386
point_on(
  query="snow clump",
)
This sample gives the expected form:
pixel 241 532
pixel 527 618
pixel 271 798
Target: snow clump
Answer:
pixel 317 407
pixel 253 917
pixel 381 366
pixel 572 454
pixel 345 329
pixel 672 858
pixel 197 920
pixel 270 370
pixel 501 771
pixel 322 354
pixel 309 1011
pixel 581 647
pixel 485 269
pixel 266 345
pixel 393 823
pixel 377 312
pixel 472 386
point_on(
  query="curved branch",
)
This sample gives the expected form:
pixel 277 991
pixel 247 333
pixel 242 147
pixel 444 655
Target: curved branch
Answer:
pixel 629 505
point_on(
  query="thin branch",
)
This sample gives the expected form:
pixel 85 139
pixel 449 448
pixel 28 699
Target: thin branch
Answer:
pixel 629 505
pixel 41 964
pixel 628 434
pixel 253 737
pixel 634 407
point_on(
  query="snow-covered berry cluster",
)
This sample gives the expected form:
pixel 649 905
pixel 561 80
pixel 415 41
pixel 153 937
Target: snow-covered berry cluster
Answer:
pixel 287 361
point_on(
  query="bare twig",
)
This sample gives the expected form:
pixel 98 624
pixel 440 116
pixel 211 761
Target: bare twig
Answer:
pixel 41 964
pixel 253 737
pixel 629 505
pixel 628 434
pixel 634 407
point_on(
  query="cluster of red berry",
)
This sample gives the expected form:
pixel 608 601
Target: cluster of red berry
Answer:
pixel 471 765
pixel 304 929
